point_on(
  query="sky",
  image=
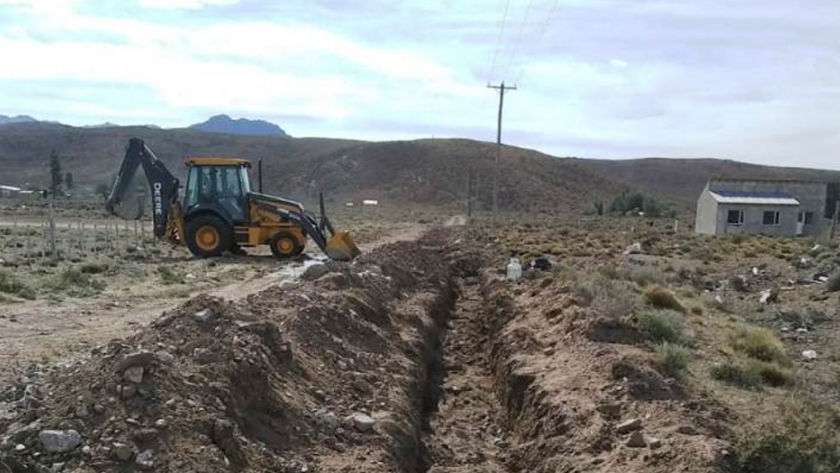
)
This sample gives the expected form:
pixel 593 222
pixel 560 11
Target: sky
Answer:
pixel 755 81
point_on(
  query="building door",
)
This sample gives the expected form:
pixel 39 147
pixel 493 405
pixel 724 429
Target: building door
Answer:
pixel 800 224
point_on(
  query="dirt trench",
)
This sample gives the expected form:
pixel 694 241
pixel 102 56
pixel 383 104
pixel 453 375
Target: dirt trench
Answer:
pixel 463 430
pixel 399 362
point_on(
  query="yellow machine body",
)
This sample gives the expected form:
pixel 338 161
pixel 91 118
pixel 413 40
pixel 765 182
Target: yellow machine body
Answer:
pixel 219 212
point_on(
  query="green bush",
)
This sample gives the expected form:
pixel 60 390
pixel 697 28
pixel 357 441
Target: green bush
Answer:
pixel 93 268
pixel 662 298
pixel 752 374
pixel 736 375
pixel 761 344
pixel 771 373
pixel 803 438
pixel 76 283
pixel 169 276
pixel 662 325
pixel 11 284
pixel 673 359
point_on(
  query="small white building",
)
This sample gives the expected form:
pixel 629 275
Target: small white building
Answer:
pixel 9 191
pixel 782 208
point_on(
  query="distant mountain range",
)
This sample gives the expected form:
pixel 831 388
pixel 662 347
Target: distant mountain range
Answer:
pixel 4 120
pixel 428 172
pixel 216 124
pixel 241 126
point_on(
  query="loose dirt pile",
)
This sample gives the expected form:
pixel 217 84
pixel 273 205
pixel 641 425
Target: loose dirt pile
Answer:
pixel 582 393
pixel 328 376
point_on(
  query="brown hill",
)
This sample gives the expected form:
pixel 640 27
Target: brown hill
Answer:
pixel 93 155
pixel 429 172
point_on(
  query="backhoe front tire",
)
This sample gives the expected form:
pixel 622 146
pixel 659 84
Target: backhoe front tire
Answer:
pixel 208 235
pixel 285 245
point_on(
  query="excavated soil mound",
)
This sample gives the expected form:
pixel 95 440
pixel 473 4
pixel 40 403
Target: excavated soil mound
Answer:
pixel 331 375
pixel 581 394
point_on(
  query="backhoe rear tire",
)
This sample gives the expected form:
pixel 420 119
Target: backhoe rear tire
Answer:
pixel 208 235
pixel 284 245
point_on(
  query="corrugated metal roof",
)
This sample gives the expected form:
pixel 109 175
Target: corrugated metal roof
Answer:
pixel 754 198
pixel 10 188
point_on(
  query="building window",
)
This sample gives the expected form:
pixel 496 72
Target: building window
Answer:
pixel 735 217
pixel 770 217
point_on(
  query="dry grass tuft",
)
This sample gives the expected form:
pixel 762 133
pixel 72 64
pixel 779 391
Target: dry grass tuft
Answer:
pixel 760 344
pixel 662 298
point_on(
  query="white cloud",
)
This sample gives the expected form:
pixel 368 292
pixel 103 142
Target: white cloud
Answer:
pixel 255 67
pixel 608 78
pixel 183 4
pixel 44 7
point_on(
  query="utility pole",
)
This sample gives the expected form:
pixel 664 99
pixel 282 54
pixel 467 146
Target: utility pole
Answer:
pixel 470 191
pixel 51 217
pixel 501 88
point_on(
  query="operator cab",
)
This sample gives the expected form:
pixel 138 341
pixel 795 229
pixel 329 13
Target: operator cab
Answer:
pixel 220 184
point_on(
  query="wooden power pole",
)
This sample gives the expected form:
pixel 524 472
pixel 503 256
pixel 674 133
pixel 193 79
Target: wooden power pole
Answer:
pixel 501 88
pixel 469 194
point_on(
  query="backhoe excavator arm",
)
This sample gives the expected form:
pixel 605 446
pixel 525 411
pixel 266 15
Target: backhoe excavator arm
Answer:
pixel 162 184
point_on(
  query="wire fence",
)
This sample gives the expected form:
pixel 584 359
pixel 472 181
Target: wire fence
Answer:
pixel 75 238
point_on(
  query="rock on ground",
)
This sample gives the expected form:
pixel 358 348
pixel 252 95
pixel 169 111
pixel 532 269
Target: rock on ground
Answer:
pixel 629 426
pixel 636 440
pixel 59 441
pixel 314 271
pixel 362 422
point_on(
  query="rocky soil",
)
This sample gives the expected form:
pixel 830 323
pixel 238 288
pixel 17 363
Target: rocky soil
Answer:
pixel 417 357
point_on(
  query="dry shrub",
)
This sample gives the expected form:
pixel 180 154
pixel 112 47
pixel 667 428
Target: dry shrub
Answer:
pixel 673 359
pixel 11 284
pixel 609 296
pixel 738 283
pixel 661 298
pixel 803 438
pixel 833 283
pixel 641 275
pixel 662 325
pixel 760 344
pixel 737 375
pixel 771 373
pixel 76 283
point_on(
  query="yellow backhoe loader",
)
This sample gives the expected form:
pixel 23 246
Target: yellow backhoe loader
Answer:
pixel 219 212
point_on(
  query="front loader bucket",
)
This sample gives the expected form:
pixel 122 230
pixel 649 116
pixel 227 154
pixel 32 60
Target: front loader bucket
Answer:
pixel 341 247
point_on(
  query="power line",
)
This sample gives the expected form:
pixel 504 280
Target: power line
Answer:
pixel 499 39
pixel 519 37
pixel 536 44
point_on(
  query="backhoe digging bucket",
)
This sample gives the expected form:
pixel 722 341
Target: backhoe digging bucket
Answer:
pixel 341 247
